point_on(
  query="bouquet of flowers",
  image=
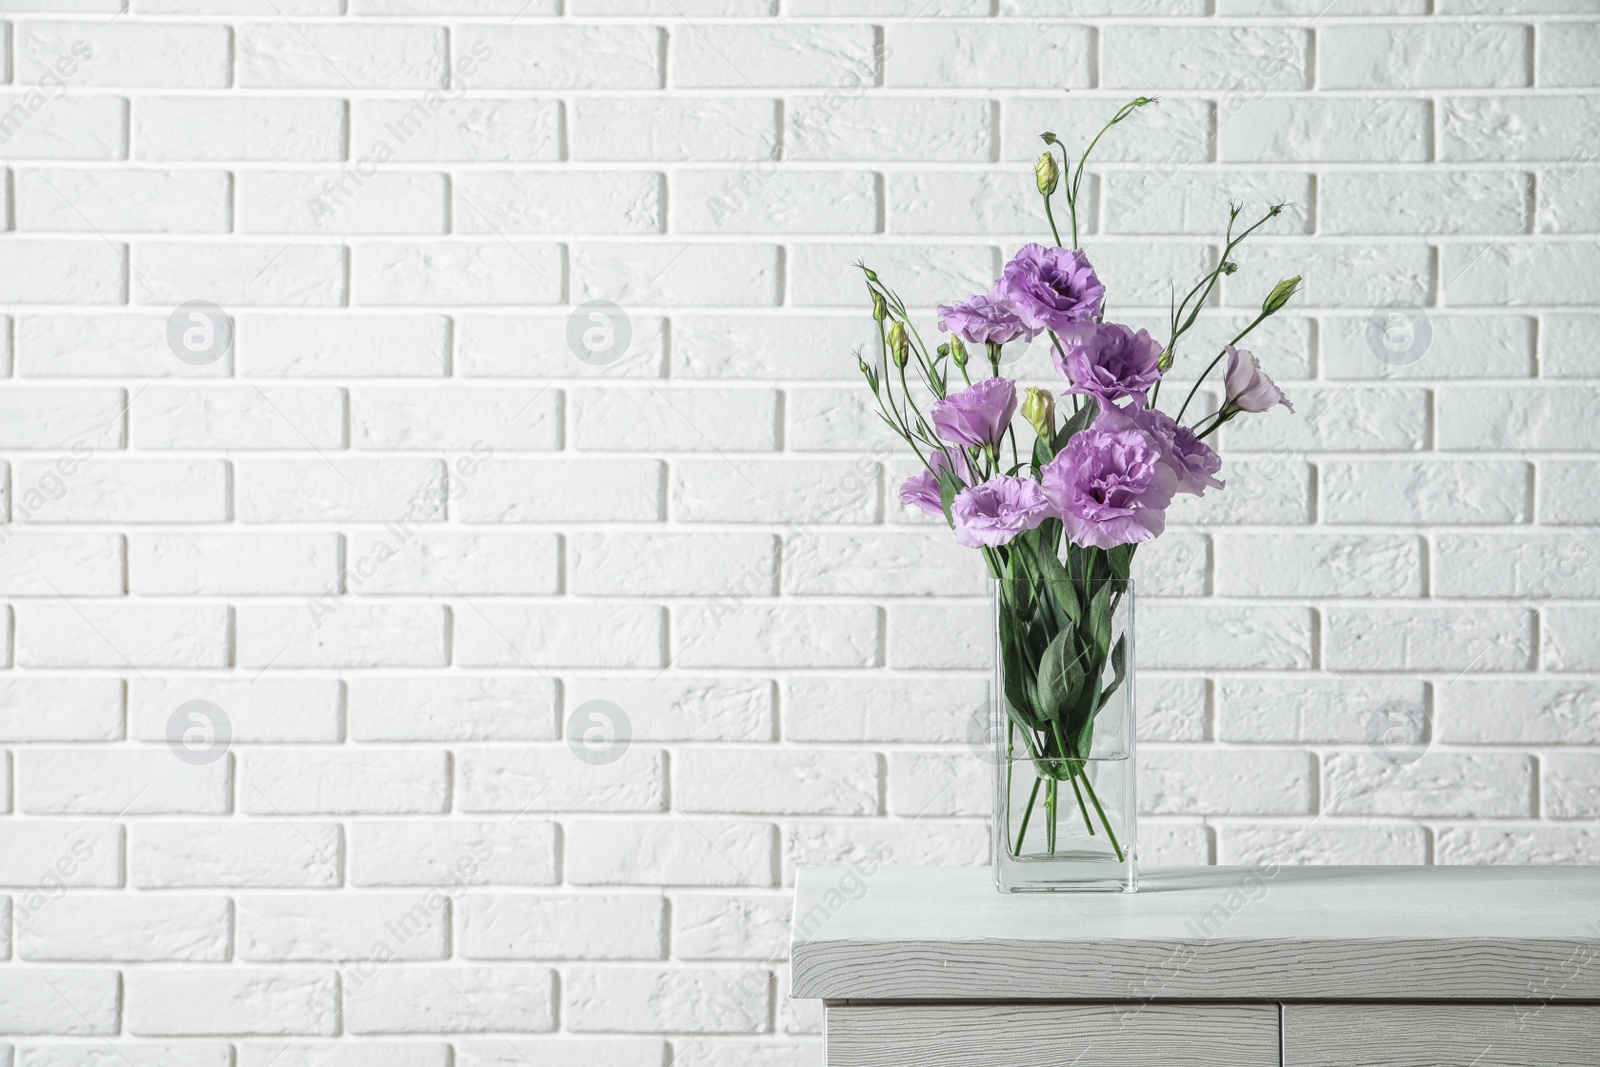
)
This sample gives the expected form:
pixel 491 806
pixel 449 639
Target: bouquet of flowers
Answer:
pixel 1058 522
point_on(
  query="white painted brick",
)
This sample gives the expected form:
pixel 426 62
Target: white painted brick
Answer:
pixel 563 490
pixel 97 634
pixel 557 202
pixel 344 1054
pixel 1490 712
pixel 452 853
pixel 1440 491
pixel 452 1000
pixel 673 129
pixel 395 782
pixel 468 129
pixel 1483 564
pixel 1515 843
pixel 1177 564
pixel 239 275
pixel 536 346
pixel 231 563
pixel 563 57
pixel 1570 787
pixel 1192 636
pixel 729 927
pixel 652 1000
pixel 449 562
pixel 881 564
pixel 974 55
pixel 1178 843
pixel 1566 491
pixel 1325 129
pixel 667 275
pixel 341 634
pixel 1569 200
pixel 237 418
pixel 935 202
pixel 1318 710
pixel 555 779
pixel 343 489
pixel 1166 200
pixel 844 126
pixel 1321 843
pixel 342 202
pixel 1339 275
pixel 1189 779
pixel 1320 565
pixel 1319 7
pixel 71 127
pixel 52 1001
pixel 559 634
pixel 1510 127
pixel 114 781
pixel 1172 708
pixel 1566 53
pixel 326 55
pixel 926 842
pixel 132 201
pixel 53 855
pixel 925 783
pixel 656 564
pixel 126 54
pixel 60 709
pixel 1342 418
pixel 238 128
pixel 1570 639
pixel 562 1051
pixel 1520 274
pixel 1459 346
pixel 941 637
pixel 406 346
pixel 693 420
pixel 817 782
pixel 193 929
pixel 675 852
pixel 1177 131
pixel 63 272
pixel 796 55
pixel 789 491
pixel 89 346
pixel 1393 202
pixel 753 635
pixel 344 927
pixel 1513 418
pixel 1428 637
pixel 61 564
pixel 712 346
pixel 460 272
pixel 1243 59
pixel 144 1054
pixel 262 709
pixel 1495 785
pixel 77 487
pixel 673 708
pixel 830 419
pixel 232 1001
pixel 171 855
pixel 1410 56
pixel 546 927
pixel 434 419
pixel 827 275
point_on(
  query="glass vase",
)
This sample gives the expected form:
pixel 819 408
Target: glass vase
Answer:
pixel 1064 735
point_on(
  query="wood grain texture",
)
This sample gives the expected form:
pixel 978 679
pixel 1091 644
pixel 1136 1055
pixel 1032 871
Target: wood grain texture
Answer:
pixel 1054 1035
pixel 1441 1035
pixel 1303 933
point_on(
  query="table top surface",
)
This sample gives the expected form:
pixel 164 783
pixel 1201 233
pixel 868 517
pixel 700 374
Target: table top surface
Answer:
pixel 899 932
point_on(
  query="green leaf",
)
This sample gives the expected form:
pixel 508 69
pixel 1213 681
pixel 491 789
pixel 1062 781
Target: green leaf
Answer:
pixel 1058 588
pixel 1061 676
pixel 949 486
pixel 1015 676
pixel 1100 620
pixel 1121 559
pixel 1080 421
pixel 1119 667
pixel 1042 453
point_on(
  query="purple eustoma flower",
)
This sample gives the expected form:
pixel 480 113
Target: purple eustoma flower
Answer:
pixel 1110 484
pixel 1111 362
pixel 978 415
pixel 922 490
pixel 983 319
pixel 1190 458
pixel 998 510
pixel 1052 288
pixel 1248 388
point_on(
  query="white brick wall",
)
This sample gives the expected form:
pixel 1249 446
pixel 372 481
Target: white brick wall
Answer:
pixel 418 553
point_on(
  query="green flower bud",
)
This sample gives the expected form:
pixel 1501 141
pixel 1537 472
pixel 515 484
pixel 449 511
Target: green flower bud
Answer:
pixel 958 351
pixel 869 374
pixel 1280 295
pixel 1046 173
pixel 898 344
pixel 1047 137
pixel 1039 408
pixel 880 310
pixel 1164 364
pixel 872 275
pixel 1229 267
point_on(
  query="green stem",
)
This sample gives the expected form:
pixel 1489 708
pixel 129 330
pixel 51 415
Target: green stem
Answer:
pixel 1112 834
pixel 1087 825
pixel 1051 216
pixel 1022 833
pixel 1050 793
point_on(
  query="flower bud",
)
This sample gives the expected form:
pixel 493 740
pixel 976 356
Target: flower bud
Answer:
pixel 880 310
pixel 868 373
pixel 1280 295
pixel 872 275
pixel 1164 363
pixel 1047 137
pixel 898 345
pixel 1046 173
pixel 1039 408
pixel 1229 266
pixel 958 351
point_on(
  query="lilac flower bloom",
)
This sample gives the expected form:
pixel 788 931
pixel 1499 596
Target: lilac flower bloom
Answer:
pixel 1110 485
pixel 1190 458
pixel 922 490
pixel 1052 288
pixel 978 415
pixel 1111 362
pixel 998 510
pixel 1248 388
pixel 983 319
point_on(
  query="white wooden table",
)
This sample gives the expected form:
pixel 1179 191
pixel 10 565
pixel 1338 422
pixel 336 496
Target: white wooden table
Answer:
pixel 1304 966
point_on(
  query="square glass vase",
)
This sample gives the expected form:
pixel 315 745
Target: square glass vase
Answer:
pixel 1063 731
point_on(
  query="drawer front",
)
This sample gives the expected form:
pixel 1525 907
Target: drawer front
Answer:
pixel 1052 1035
pixel 1442 1035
